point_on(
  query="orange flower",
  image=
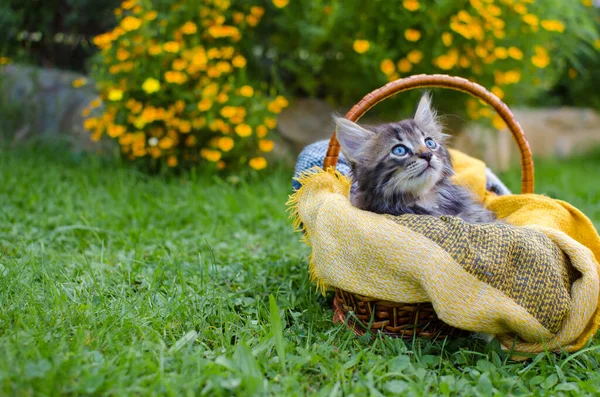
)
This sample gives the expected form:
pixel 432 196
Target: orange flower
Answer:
pixel 246 91
pixel 204 105
pixel 172 161
pixel 189 28
pixel 387 67
pixel 415 56
pixel 226 143
pixel 79 82
pixel 265 145
pixel 261 131
pixel 447 39
pixel 243 130
pixel 411 5
pixel 412 34
pixel 280 3
pixel 361 46
pixel 172 46
pixel 238 61
pixel 270 122
pixel 258 163
pixel 175 77
pixel 150 15
pixel 211 155
pixel 404 66
pixel 130 23
pixel 115 130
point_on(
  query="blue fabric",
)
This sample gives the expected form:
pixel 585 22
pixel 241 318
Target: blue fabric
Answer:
pixel 312 156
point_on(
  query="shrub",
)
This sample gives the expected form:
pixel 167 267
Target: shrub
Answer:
pixel 343 49
pixel 55 33
pixel 176 88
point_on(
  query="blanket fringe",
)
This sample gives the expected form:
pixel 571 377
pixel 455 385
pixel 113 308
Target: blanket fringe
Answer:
pixel 305 179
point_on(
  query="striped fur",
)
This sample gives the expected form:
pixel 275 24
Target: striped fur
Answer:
pixel 417 182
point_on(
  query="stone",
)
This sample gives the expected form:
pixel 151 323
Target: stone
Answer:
pixel 49 106
pixel 551 132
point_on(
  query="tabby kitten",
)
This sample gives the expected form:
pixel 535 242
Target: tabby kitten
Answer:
pixel 405 168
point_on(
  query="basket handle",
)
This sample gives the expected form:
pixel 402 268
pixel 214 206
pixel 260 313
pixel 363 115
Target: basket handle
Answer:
pixel 442 81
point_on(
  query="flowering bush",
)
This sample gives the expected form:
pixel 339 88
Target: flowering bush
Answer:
pixel 342 49
pixel 175 85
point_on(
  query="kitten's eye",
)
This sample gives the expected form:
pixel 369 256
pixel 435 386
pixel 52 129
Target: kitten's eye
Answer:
pixel 400 150
pixel 431 144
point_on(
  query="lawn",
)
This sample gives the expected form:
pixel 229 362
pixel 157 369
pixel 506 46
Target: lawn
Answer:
pixel 116 283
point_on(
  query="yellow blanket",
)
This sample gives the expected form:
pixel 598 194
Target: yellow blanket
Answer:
pixel 487 287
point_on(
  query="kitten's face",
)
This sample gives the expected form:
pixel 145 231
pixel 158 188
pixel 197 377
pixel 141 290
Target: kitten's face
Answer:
pixel 408 157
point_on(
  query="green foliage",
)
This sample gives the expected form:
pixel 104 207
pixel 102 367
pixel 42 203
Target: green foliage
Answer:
pixel 516 48
pixel 55 33
pixel 114 283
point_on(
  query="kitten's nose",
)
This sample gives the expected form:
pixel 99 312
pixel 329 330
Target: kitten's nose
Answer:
pixel 425 156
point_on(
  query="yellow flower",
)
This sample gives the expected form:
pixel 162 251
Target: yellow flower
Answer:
pixel 531 20
pixel 179 64
pixel 150 15
pixel 415 56
pixel 270 122
pixel 361 46
pixel 4 61
pixel 515 53
pixel 175 77
pixel 211 155
pixel 172 161
pixel 512 77
pixel 221 165
pixel 247 91
pixel 498 122
pixel 243 130
pixel 171 46
pixel 447 39
pixel 79 82
pixel 130 23
pixel 520 9
pixel 228 111
pixel 222 97
pixel 597 44
pixel 226 143
pixel 223 66
pixel 265 145
pixel 210 90
pixel 95 103
pixel 219 31
pixel 500 52
pixel 274 107
pixel 86 112
pixel 494 10
pixel 387 66
pixel 154 49
pixel 587 3
pixel 238 61
pixel 261 131
pixel 189 28
pixel 257 11
pixel 280 3
pixel 204 105
pixel 90 123
pixel 128 4
pixel 572 73
pixel 541 58
pixel 151 85
pixel 498 91
pixel 258 163
pixel 412 34
pixel 199 122
pixel 448 61
pixel 404 65
pixel 115 94
pixel 553 26
pixel 411 5
pixel 252 20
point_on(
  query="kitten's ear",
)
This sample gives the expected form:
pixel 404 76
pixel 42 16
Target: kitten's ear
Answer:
pixel 352 137
pixel 426 116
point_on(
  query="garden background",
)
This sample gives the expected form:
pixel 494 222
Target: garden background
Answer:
pixel 146 156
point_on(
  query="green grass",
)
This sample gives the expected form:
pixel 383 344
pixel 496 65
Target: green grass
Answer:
pixel 116 283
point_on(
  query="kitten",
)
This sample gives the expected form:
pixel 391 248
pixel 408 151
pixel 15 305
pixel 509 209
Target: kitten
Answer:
pixel 405 168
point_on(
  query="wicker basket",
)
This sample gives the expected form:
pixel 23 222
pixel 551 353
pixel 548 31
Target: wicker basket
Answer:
pixel 408 320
